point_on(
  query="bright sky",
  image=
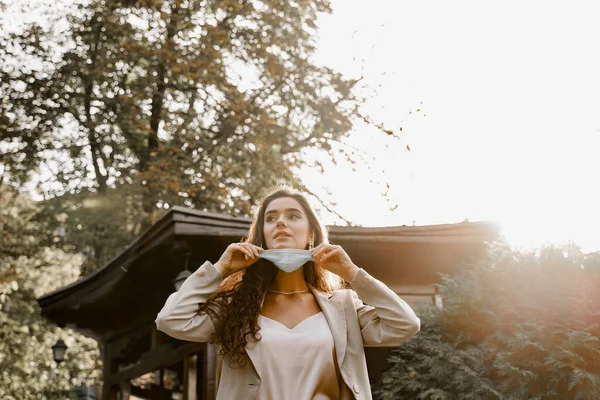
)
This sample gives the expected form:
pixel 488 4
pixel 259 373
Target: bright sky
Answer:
pixel 509 124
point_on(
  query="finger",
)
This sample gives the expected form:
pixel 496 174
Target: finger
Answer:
pixel 315 253
pixel 250 247
pixel 334 251
pixel 314 250
pixel 324 249
pixel 329 254
pixel 245 251
pixel 318 262
pixel 320 258
pixel 334 248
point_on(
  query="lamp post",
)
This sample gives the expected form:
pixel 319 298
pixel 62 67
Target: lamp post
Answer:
pixel 81 391
pixel 183 275
pixel 58 353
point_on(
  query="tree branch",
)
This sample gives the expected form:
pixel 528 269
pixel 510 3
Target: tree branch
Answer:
pixel 307 190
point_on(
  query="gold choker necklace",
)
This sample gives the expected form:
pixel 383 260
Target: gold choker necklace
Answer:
pixel 300 291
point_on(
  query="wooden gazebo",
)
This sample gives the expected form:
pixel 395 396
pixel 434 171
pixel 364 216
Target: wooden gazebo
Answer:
pixel 117 304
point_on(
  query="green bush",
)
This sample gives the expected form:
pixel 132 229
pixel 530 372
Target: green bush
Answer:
pixel 513 326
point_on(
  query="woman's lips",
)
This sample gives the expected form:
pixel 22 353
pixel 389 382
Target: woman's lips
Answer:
pixel 282 237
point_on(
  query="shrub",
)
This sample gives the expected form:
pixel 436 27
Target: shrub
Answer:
pixel 516 325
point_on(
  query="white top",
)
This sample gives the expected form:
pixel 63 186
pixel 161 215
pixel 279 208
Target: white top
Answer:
pixel 297 363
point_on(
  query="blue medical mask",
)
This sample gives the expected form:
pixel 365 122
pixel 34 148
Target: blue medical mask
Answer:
pixel 287 260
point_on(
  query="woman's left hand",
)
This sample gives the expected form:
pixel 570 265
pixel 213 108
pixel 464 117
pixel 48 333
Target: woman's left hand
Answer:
pixel 335 259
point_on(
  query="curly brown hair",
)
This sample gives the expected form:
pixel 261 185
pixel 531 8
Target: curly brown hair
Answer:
pixel 235 307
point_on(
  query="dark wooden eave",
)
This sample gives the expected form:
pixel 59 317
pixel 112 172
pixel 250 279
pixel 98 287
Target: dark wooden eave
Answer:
pixel 177 221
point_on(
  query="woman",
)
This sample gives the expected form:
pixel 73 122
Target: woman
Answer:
pixel 288 333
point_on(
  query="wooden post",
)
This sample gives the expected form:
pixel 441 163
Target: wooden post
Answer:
pixel 156 339
pixel 210 372
pixel 125 391
pixel 107 392
pixel 190 377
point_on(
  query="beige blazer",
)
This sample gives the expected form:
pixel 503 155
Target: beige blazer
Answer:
pixel 385 320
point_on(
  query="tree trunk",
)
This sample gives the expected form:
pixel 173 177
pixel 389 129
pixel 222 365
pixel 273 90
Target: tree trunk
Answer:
pixel 157 108
pixel 88 93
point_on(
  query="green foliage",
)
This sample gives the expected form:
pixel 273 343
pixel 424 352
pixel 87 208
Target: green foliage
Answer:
pixel 513 326
pixel 430 367
pixel 29 270
pixel 79 223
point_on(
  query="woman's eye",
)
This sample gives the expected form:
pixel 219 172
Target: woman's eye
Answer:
pixel 295 216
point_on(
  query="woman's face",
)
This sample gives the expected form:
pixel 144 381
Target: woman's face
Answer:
pixel 286 225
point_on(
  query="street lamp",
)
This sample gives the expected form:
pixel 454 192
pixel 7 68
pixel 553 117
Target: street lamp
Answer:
pixel 58 351
pixel 183 275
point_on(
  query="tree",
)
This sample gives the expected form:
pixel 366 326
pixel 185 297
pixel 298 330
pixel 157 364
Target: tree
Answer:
pixel 515 325
pixel 203 104
pixel 29 270
pixel 152 91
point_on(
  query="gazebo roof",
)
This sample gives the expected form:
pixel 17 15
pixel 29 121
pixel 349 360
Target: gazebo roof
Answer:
pixel 131 288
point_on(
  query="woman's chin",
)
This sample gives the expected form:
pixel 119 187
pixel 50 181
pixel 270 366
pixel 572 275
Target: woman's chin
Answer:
pixel 284 245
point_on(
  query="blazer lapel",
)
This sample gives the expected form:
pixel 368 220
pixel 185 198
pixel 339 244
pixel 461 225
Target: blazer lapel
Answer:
pixel 335 313
pixel 254 354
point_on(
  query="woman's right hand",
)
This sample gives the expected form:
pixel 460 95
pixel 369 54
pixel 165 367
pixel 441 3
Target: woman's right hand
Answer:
pixel 237 256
